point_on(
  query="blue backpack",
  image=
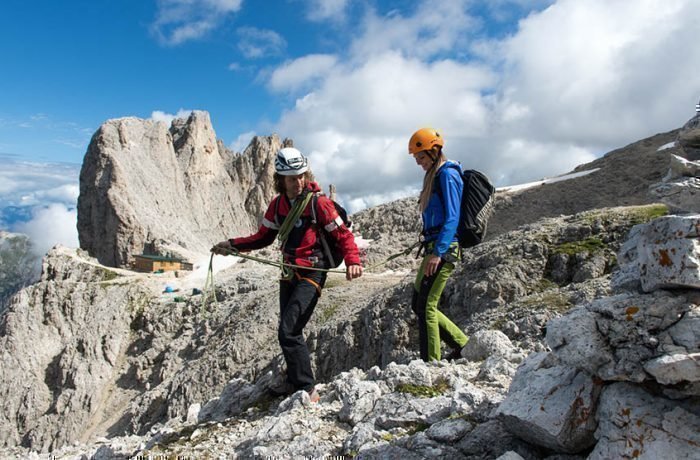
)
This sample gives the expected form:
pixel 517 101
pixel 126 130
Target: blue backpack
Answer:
pixel 476 207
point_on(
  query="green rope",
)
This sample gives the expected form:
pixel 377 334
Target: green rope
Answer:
pixel 405 252
pixel 209 291
pixel 286 228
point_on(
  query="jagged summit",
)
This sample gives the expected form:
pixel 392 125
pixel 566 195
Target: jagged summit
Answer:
pixel 146 185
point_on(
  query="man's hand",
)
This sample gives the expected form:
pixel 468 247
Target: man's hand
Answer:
pixel 224 248
pixel 431 265
pixel 353 271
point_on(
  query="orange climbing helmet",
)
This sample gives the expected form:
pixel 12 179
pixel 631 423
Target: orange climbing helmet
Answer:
pixel 424 139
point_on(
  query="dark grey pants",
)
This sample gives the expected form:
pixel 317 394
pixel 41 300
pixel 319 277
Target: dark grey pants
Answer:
pixel 298 298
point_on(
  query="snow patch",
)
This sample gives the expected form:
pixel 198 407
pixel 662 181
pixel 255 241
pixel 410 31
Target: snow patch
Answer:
pixel 547 180
pixel 670 145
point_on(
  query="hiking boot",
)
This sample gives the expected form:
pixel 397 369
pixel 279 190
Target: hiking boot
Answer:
pixel 314 397
pixel 283 388
pixel 455 355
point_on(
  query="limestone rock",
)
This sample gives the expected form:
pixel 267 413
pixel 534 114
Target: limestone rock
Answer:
pixel 635 424
pixel 62 338
pixel 551 405
pixel 484 344
pixel 689 138
pixel 680 188
pixel 145 186
pixel 613 338
pixel 665 253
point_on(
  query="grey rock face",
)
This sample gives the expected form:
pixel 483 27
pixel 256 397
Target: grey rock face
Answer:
pixel 63 338
pixel 614 338
pixel 551 405
pixel 689 138
pixel 665 253
pixel 635 424
pixel 147 186
pixel 680 188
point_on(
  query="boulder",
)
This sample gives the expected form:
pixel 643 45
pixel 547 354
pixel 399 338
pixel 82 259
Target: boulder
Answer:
pixel 614 337
pixel 680 188
pixel 551 405
pixel 633 423
pixel 664 253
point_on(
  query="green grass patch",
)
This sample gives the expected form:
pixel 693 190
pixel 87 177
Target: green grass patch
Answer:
pixel 591 244
pixel 424 391
pixel 643 214
pixel 109 275
pixel 552 301
pixel 327 313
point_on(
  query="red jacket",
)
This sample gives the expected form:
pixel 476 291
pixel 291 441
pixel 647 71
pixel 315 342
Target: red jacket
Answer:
pixel 303 246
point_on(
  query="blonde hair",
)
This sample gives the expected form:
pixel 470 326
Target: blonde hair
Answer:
pixel 429 177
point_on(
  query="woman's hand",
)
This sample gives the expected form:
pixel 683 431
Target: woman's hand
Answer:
pixel 432 264
pixel 353 271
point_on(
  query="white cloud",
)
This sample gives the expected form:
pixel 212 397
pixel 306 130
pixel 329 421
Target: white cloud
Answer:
pixel 242 141
pixel 571 82
pixel 435 27
pixel 323 10
pixel 296 74
pixel 602 72
pixel 178 21
pixel 168 118
pixel 29 184
pixel 51 225
pixel 257 43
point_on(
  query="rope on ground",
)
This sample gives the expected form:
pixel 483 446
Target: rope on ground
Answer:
pixel 209 290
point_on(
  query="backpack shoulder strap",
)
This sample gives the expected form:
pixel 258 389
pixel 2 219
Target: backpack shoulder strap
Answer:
pixel 277 209
pixel 314 203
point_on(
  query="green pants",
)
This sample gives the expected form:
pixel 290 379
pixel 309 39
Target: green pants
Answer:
pixel 433 325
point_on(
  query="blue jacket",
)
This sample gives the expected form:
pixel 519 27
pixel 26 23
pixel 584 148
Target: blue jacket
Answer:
pixel 442 218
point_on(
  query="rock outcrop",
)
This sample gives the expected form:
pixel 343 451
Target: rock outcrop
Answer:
pixel 147 186
pixel 689 139
pixel 648 339
pixel 680 188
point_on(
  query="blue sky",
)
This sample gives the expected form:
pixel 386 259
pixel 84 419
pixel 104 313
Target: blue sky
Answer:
pixel 521 89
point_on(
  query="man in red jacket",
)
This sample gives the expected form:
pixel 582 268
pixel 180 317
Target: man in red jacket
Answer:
pixel 299 293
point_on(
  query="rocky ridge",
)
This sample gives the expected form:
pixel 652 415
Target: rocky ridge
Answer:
pixel 177 377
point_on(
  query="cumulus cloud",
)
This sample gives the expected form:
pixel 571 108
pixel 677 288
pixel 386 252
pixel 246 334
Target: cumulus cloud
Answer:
pixel 25 183
pixel 616 70
pixel 39 200
pixel 434 27
pixel 323 10
pixel 255 43
pixel 242 141
pixel 168 118
pixel 178 21
pixel 51 225
pixel 295 74
pixel 572 81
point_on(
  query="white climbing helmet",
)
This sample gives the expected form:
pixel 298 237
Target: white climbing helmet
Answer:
pixel 290 162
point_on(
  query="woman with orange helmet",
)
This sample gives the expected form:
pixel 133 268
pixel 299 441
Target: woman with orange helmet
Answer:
pixel 439 205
